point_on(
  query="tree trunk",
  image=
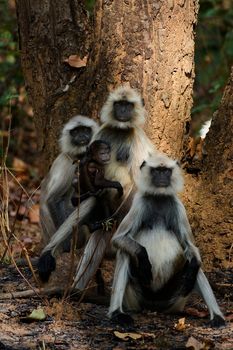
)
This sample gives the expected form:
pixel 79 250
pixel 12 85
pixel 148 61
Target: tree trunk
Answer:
pixel 49 32
pixel 146 43
pixel 149 45
pixel 210 196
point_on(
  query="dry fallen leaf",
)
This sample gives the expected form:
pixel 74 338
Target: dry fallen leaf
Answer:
pixel 19 165
pixel 127 336
pixel 37 314
pixel 193 344
pixel 76 61
pixel 33 214
pixel 181 325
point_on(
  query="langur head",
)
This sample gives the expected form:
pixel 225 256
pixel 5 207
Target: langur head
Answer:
pixel 160 175
pixel 77 134
pixel 100 151
pixel 124 108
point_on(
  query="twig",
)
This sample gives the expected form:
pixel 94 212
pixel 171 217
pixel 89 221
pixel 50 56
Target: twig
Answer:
pixel 100 300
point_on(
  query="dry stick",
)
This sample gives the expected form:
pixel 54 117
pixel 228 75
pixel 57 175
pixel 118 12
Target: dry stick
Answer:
pixel 13 228
pixel 6 216
pixel 25 279
pixel 51 291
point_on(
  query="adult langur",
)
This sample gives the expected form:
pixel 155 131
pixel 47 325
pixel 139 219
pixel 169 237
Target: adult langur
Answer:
pixel 158 264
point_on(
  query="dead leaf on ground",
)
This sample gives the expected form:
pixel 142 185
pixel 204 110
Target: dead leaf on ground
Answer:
pixel 181 325
pixel 193 344
pixel 127 336
pixel 229 317
pixel 35 315
pixel 76 62
pixel 33 214
pixel 19 165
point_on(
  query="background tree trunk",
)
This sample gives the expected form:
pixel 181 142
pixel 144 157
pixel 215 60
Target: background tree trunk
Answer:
pixel 49 32
pixel 146 43
pixel 209 197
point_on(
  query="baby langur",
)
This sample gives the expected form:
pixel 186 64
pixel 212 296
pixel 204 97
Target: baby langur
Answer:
pixel 92 173
pixel 56 188
pixel 158 264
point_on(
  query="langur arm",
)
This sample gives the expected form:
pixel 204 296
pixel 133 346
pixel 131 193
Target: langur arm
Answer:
pixel 184 235
pixel 123 238
pixel 101 182
pixel 59 184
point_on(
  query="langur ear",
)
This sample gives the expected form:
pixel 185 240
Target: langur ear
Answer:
pixel 143 164
pixel 178 163
pixel 143 102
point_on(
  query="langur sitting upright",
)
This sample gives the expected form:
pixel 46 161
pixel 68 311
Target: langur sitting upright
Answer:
pixel 158 264
pixel 123 116
pixel 56 188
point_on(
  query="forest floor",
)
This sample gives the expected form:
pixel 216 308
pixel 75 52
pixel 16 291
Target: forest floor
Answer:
pixel 69 324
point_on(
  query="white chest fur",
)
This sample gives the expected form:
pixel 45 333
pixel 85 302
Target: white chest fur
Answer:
pixel 163 250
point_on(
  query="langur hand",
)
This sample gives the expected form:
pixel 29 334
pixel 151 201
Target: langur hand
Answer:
pixel 107 225
pixel 191 251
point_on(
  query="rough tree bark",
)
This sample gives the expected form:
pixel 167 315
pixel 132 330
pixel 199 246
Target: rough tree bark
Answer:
pixel 49 32
pixel 210 196
pixel 146 43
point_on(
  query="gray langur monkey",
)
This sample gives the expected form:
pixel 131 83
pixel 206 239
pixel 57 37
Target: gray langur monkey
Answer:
pixel 56 188
pixel 123 116
pixel 158 264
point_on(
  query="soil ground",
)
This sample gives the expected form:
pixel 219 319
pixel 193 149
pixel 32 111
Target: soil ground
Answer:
pixel 73 325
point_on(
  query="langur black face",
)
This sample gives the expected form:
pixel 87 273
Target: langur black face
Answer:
pixel 100 152
pixel 123 110
pixel 81 135
pixel 161 176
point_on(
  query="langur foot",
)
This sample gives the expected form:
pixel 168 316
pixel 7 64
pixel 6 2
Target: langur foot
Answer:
pixel 107 225
pixel 46 265
pixel 217 321
pixel 122 319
